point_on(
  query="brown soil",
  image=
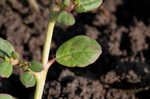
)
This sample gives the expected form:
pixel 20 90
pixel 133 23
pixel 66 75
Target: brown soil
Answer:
pixel 122 71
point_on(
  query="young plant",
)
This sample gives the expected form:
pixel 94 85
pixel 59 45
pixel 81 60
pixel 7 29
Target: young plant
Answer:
pixel 80 51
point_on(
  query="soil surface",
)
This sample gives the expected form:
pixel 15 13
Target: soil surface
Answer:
pixel 122 28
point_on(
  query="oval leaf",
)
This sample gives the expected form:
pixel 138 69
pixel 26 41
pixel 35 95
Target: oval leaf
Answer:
pixel 6 96
pixel 28 79
pixel 88 5
pixel 80 51
pixel 36 66
pixel 76 2
pixel 5 69
pixel 5 48
pixel 67 3
pixel 66 18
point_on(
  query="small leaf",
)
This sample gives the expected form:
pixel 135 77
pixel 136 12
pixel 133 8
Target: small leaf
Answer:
pixel 36 66
pixel 60 5
pixel 67 3
pixel 5 69
pixel 6 96
pixel 66 18
pixel 80 51
pixel 76 2
pixel 28 79
pixel 88 5
pixel 15 55
pixel 5 48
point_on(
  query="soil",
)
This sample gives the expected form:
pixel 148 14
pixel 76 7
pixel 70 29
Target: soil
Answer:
pixel 121 72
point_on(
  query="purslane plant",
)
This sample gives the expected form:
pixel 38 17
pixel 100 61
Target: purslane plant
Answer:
pixel 80 51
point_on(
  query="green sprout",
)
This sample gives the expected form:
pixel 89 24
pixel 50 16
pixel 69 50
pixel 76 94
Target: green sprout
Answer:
pixel 80 51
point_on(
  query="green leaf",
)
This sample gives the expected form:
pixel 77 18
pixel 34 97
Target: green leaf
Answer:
pixel 2 54
pixel 36 66
pixel 80 51
pixel 5 69
pixel 5 48
pixel 28 79
pixel 67 3
pixel 15 55
pixel 66 18
pixel 76 2
pixel 6 96
pixel 60 5
pixel 88 5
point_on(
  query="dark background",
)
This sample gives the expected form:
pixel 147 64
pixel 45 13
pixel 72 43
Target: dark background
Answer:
pixel 121 72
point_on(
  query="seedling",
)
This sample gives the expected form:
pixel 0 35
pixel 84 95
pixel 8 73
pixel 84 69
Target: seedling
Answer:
pixel 80 51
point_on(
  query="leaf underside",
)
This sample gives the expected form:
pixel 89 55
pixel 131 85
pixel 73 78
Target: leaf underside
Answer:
pixel 6 96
